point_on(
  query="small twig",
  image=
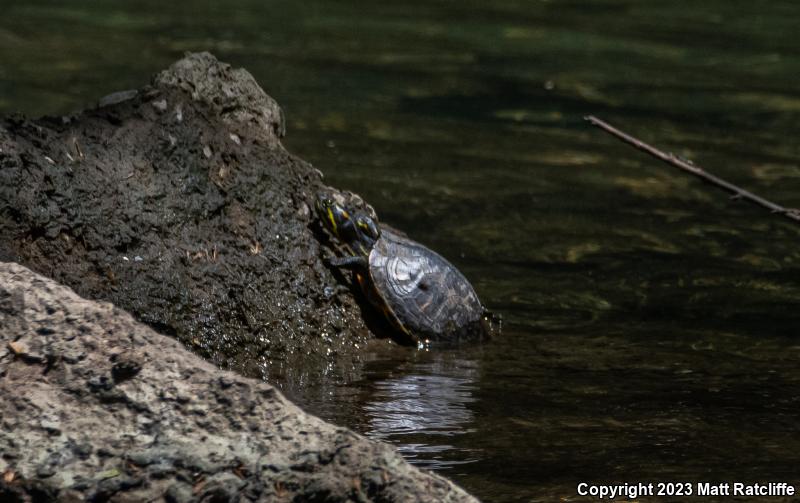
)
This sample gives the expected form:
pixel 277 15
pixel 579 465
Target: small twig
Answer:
pixel 689 167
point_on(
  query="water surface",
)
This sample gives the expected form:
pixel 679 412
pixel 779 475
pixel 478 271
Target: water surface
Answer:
pixel 650 322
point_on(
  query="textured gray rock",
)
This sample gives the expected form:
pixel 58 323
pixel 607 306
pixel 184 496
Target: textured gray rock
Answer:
pixel 96 406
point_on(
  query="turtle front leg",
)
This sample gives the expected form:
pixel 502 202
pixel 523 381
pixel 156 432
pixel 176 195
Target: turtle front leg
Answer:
pixel 353 262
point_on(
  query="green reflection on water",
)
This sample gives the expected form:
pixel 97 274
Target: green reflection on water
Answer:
pixel 651 323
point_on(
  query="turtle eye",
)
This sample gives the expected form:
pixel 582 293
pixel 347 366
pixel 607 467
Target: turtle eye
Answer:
pixel 322 204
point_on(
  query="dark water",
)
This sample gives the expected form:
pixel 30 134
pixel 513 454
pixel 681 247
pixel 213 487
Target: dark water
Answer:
pixel 651 325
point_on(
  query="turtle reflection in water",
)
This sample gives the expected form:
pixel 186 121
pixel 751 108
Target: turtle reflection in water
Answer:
pixel 423 296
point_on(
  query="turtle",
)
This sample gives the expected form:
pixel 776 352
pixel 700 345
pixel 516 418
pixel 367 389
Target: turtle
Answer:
pixel 422 295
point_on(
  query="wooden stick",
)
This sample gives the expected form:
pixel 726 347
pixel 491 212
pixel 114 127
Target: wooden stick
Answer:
pixel 689 167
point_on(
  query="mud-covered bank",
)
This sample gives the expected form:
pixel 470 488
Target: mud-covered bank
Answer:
pixel 178 203
pixel 98 407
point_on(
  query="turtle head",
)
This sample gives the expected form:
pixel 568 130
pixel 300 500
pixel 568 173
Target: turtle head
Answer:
pixel 352 228
pixel 334 217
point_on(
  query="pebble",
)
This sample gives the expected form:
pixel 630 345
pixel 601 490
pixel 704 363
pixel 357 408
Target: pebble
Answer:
pixel 178 493
pixel 51 427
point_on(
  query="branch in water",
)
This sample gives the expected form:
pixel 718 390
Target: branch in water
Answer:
pixel 689 167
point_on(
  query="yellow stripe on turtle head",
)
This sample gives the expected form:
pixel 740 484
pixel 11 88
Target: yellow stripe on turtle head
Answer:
pixel 332 221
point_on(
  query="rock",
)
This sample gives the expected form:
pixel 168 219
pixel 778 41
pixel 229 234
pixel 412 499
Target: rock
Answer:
pixel 229 439
pixel 178 203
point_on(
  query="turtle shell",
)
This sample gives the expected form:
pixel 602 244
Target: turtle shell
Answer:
pixel 426 294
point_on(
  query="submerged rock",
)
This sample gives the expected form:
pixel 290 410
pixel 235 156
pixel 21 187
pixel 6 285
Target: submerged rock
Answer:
pixel 178 203
pixel 97 406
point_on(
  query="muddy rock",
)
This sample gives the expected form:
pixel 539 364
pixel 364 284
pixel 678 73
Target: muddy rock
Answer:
pixel 97 406
pixel 178 203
